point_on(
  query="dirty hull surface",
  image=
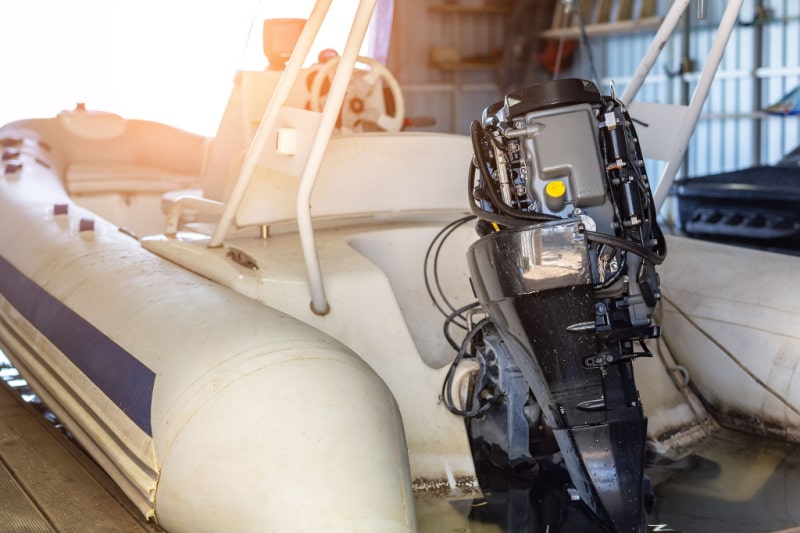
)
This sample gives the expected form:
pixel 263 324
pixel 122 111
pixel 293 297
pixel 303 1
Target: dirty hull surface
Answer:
pixel 731 482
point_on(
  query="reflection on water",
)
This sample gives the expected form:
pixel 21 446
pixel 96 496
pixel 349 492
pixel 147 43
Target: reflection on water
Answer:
pixel 729 483
pixel 732 483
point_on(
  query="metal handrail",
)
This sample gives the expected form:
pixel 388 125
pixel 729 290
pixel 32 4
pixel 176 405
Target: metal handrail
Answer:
pixel 686 129
pixel 726 26
pixel 344 71
pixel 335 98
pixel 660 39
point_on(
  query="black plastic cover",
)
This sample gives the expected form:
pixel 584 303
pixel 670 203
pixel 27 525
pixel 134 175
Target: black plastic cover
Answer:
pixel 556 93
pixel 754 207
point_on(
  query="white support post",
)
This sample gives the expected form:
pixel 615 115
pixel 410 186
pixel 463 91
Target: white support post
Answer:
pixel 344 71
pixel 279 98
pixel 663 34
pixel 726 25
pixel 333 104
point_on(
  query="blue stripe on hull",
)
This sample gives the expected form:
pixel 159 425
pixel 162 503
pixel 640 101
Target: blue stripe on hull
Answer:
pixel 123 378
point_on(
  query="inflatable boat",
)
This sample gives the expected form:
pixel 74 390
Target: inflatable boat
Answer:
pixel 292 328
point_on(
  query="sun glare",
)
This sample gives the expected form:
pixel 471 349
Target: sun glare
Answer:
pixel 172 61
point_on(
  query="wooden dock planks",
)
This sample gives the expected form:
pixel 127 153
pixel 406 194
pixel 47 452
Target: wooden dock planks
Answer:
pixel 48 484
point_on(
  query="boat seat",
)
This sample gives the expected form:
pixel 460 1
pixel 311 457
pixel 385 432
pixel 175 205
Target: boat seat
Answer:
pixel 366 174
pixel 96 178
pixel 361 174
pixel 127 194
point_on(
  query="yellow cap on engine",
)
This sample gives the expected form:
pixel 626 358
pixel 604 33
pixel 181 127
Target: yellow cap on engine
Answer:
pixel 555 189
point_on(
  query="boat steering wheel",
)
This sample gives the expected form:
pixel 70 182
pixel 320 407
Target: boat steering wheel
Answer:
pixel 365 106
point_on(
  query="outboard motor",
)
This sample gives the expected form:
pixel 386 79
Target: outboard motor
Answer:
pixel 565 271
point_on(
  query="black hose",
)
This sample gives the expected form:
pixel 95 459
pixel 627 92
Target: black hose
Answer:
pixel 477 136
pixel 447 385
pixel 453 227
pixel 443 234
pixel 488 215
pixel 451 320
pixel 629 246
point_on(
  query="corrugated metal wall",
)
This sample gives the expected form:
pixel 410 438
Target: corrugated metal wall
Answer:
pixel 453 96
pixel 760 65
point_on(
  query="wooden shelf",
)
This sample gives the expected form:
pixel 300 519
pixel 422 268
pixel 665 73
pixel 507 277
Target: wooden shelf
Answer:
pixel 459 59
pixel 605 28
pixel 469 10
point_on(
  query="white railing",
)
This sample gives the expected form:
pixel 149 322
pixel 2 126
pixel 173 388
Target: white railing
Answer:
pixel 684 127
pixel 258 146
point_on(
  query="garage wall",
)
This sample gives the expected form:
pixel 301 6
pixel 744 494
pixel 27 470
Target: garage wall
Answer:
pixel 761 64
pixel 456 96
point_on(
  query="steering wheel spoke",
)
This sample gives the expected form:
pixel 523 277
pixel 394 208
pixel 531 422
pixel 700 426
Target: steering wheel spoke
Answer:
pixel 384 122
pixel 364 101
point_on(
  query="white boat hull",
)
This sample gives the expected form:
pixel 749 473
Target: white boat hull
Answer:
pixel 216 397
pixel 138 356
pixel 730 316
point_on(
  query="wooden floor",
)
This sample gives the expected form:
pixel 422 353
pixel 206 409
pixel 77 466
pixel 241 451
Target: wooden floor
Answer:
pixel 48 484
